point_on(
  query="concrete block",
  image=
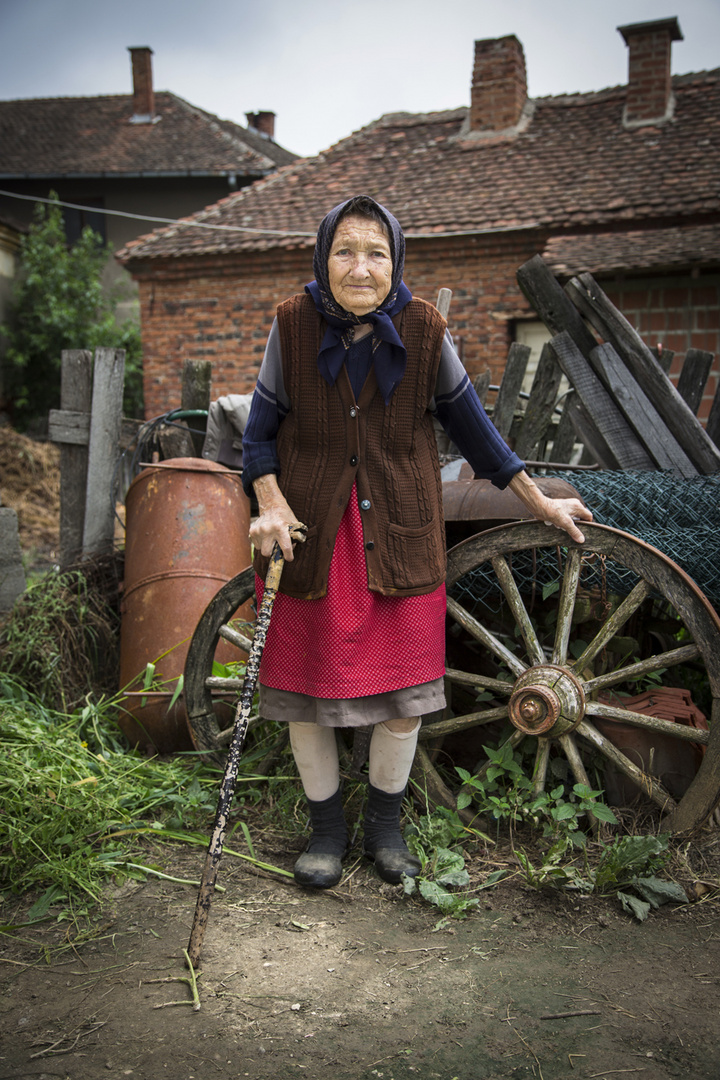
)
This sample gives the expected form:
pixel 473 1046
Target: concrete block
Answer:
pixel 12 574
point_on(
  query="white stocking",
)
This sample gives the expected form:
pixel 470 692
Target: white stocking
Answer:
pixel 391 757
pixel 315 751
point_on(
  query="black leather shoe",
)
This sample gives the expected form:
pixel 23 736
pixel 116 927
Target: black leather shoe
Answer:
pixel 318 870
pixel 392 863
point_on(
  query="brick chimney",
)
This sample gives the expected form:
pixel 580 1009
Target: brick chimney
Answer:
pixel 499 84
pixel 262 122
pixel 649 93
pixel 143 93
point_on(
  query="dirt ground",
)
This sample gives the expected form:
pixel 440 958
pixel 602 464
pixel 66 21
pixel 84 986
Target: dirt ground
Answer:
pixel 359 983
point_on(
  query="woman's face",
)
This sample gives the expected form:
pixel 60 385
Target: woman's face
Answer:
pixel 360 265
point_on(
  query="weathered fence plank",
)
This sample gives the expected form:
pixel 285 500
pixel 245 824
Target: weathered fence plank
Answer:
pixel 693 377
pixel 76 399
pixel 588 434
pixel 541 403
pixel 622 442
pixel 504 408
pixel 640 413
pixel 565 436
pixel 613 327
pixel 554 307
pixel 105 425
pixel 664 357
pixel 482 384
pixel 713 421
pixel 68 426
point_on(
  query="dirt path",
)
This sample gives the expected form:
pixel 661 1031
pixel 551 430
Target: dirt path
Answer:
pixel 357 984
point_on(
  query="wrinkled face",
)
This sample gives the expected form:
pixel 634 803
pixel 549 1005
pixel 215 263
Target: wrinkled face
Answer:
pixel 360 265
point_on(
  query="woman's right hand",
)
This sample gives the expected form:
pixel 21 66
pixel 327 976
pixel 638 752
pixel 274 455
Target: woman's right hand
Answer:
pixel 274 520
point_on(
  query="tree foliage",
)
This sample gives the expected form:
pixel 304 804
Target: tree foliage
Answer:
pixel 59 303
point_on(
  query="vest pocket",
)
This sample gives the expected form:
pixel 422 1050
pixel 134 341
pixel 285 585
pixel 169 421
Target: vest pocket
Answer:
pixel 416 556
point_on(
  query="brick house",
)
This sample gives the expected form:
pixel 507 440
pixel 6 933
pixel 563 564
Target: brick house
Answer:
pixel 624 182
pixel 147 153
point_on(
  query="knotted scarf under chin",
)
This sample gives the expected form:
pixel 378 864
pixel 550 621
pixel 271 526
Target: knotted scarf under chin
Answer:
pixel 389 355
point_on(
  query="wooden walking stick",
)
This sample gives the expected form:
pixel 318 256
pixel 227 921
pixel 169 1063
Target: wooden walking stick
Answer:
pixel 242 716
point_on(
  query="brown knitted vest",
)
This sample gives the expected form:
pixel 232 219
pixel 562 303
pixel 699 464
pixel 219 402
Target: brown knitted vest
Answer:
pixel 328 441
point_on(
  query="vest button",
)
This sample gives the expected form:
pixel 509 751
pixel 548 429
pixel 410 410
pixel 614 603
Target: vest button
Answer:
pixel 353 412
pixel 354 459
pixel 370 545
pixel 365 504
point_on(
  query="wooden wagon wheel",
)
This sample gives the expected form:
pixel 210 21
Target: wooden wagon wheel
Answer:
pixel 548 694
pixel 201 689
pixel 551 693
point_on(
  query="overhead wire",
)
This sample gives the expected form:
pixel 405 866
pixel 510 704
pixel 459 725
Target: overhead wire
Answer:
pixel 155 220
pixel 186 223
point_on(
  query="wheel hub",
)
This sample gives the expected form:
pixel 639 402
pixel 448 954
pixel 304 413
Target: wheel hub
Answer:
pixel 547 700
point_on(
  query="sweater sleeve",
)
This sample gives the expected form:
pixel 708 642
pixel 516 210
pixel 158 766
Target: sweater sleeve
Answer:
pixel 270 405
pixel 461 413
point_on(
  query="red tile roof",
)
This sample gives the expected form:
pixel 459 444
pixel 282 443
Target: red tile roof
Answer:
pixel 574 168
pixel 93 136
pixel 654 249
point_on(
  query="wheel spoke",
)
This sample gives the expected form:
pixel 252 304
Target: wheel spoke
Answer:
pixel 467 678
pixel 576 764
pixel 643 667
pixel 616 621
pixel 219 682
pixel 650 723
pixel 566 605
pixel 459 723
pixel 476 630
pixel 647 784
pixel 517 607
pixel 542 757
pixel 231 635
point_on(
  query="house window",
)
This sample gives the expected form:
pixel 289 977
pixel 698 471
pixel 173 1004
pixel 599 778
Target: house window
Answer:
pixel 77 220
pixel 534 334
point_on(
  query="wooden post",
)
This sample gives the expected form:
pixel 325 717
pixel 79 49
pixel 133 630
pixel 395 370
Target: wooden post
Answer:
pixel 71 430
pixel 443 302
pixel 196 387
pixel 105 424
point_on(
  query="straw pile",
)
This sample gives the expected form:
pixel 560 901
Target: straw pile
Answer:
pixel 30 485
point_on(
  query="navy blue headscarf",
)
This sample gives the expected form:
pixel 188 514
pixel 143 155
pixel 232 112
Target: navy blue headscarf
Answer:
pixel 389 355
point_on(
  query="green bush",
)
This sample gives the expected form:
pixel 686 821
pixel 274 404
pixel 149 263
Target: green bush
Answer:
pixel 58 304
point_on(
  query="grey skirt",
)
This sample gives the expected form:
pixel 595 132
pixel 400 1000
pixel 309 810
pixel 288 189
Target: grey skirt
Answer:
pixel 352 712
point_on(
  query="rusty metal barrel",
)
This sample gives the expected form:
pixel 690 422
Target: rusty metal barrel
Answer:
pixel 187 523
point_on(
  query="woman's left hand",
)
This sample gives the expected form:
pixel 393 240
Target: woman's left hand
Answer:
pixel 562 513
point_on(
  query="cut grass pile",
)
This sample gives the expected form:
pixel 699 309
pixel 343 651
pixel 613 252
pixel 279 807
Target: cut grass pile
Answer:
pixel 75 802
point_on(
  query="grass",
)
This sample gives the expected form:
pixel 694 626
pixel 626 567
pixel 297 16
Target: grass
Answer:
pixel 62 636
pixel 76 802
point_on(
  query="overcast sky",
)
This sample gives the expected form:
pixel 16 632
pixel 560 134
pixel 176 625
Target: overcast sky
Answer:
pixel 328 67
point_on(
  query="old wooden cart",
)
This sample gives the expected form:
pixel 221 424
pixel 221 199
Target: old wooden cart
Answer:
pixel 549 642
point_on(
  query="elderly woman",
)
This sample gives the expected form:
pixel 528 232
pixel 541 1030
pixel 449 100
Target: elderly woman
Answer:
pixel 340 437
